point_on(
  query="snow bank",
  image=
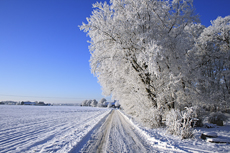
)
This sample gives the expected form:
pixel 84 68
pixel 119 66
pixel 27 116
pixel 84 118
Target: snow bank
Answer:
pixel 159 139
pixel 217 140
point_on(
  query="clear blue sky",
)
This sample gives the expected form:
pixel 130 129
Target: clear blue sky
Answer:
pixel 43 54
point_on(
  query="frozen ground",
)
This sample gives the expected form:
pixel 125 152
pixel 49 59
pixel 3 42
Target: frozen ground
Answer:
pixel 160 139
pixel 87 129
pixel 46 128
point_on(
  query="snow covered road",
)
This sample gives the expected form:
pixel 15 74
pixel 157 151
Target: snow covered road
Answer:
pixel 117 135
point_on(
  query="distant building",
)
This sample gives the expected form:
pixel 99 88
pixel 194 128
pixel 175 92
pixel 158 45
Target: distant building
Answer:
pixel 28 103
pixel 41 103
pixel 8 103
pixel 112 104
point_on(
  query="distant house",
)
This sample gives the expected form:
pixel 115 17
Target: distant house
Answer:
pixel 8 103
pixel 41 103
pixel 112 104
pixel 33 103
pixel 28 103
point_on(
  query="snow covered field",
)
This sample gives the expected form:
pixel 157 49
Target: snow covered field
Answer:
pixel 71 129
pixel 46 128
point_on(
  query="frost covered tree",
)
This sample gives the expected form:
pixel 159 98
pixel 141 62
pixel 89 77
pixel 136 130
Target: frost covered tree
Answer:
pixel 84 103
pixel 88 102
pixel 212 56
pixel 101 103
pixel 94 103
pixel 138 52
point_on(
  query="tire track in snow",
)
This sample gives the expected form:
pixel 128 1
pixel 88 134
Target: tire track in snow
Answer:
pixel 116 135
pixel 98 141
pixel 154 140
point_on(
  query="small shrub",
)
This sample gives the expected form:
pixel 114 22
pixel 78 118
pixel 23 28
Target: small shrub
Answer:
pixel 156 118
pixel 217 118
pixel 173 122
pixel 179 123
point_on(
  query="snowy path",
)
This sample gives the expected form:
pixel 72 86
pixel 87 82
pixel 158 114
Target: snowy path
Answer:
pixel 117 135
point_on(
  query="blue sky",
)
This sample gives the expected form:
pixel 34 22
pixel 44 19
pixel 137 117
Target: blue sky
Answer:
pixel 43 54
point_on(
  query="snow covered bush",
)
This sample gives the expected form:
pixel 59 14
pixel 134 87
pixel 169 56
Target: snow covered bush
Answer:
pixel 179 123
pixel 173 122
pixel 217 118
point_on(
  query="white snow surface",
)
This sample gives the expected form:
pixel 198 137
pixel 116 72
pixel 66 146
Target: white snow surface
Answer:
pixel 72 128
pixel 160 139
pixel 211 134
pixel 46 128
